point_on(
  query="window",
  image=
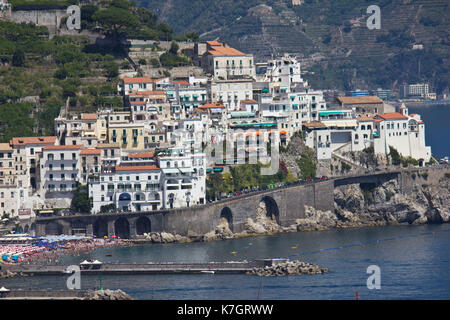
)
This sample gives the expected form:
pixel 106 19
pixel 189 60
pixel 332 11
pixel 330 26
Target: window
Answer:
pixel 62 156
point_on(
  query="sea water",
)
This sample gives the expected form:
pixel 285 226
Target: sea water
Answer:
pixel 414 263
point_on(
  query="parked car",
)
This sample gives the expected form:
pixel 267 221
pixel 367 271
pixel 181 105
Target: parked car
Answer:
pixel 309 180
pixel 323 178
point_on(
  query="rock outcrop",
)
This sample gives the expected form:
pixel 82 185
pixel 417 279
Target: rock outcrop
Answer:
pixel 165 237
pixel 289 268
pixel 387 205
pixel 262 223
pixel 221 232
pixel 108 295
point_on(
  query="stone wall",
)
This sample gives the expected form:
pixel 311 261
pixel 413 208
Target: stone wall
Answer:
pixel 340 201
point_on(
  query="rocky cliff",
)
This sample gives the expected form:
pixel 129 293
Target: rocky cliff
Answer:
pixel 355 205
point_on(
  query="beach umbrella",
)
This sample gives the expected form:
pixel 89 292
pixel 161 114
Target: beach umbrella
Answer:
pixel 97 262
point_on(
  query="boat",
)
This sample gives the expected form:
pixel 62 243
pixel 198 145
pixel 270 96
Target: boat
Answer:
pixel 108 255
pixel 208 271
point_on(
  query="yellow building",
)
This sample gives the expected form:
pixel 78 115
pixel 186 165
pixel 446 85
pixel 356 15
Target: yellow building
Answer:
pixel 130 136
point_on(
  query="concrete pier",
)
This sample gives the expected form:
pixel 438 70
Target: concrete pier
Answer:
pixel 149 268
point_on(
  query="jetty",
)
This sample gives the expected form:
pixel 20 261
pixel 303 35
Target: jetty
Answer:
pixel 229 267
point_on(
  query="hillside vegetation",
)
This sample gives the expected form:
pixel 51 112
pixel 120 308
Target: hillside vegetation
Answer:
pixel 38 75
pixel 331 36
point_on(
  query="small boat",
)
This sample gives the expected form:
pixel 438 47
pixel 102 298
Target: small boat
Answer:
pixel 108 255
pixel 208 271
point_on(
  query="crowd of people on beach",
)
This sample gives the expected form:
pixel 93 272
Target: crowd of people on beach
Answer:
pixel 48 250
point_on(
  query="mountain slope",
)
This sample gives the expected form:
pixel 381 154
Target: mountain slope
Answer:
pixel 330 36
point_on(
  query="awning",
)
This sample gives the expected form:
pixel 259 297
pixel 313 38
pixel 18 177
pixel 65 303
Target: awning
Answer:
pixel 170 170
pixel 283 132
pixel 186 170
pixel 326 113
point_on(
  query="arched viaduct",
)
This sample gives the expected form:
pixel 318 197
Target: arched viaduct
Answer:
pixel 284 204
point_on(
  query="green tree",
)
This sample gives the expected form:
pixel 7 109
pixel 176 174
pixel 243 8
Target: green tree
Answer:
pixel 395 156
pixel 81 202
pixel 174 48
pixel 307 164
pixel 18 59
pixel 113 19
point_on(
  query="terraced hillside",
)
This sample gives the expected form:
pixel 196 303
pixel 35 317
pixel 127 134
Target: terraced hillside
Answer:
pixel 348 54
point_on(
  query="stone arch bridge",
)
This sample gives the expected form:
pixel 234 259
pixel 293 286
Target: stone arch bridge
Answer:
pixel 285 205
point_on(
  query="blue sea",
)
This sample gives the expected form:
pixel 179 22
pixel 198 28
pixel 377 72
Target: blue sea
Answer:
pixel 414 263
pixel 437 127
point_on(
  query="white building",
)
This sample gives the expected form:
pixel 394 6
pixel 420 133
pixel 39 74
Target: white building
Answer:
pixel 128 187
pixel 184 178
pixel 60 173
pixel 224 62
pixel 284 72
pixel 230 92
pixel 404 132
pixel 133 84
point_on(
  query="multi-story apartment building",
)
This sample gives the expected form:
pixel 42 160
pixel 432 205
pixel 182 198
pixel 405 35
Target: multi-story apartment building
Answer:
pixel 230 92
pixel 87 130
pixel 283 72
pixel 8 181
pixel 129 135
pixel 414 90
pixel 183 182
pixel 224 62
pixel 90 163
pixel 128 85
pixel 60 173
pixel 128 187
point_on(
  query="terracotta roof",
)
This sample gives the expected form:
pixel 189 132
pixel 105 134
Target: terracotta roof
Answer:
pixel 360 100
pixel 182 82
pixel 5 146
pixel 137 80
pixel 365 119
pixel 63 147
pixel 314 124
pixel 137 102
pixel 90 151
pixel 210 105
pixel 248 101
pixel 141 155
pixel 214 43
pixel 159 79
pixel 32 140
pixel 137 168
pixel 392 116
pixel 88 116
pixel 222 51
